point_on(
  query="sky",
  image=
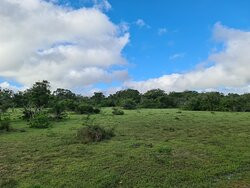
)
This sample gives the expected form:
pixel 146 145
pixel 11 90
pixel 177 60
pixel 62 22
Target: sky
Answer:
pixel 109 45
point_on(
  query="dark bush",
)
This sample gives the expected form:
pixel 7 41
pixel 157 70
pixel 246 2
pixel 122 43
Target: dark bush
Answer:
pixel 87 109
pixel 129 104
pixel 28 113
pixel 5 124
pixel 117 111
pixel 58 109
pixel 40 120
pixel 94 133
pixel 97 110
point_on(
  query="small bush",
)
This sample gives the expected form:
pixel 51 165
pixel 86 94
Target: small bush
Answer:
pixel 117 111
pixel 129 105
pixel 40 120
pixel 94 133
pixel 97 110
pixel 5 124
pixel 87 109
pixel 58 109
pixel 27 113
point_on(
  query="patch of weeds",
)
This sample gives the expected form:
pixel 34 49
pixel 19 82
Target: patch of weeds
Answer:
pixel 108 181
pixel 5 124
pixel 35 186
pixel 118 155
pixel 9 183
pixel 149 145
pixel 170 129
pixel 161 155
pixel 177 118
pixel 117 111
pixel 165 150
pixel 94 133
pixel 179 112
pixel 136 145
pixel 40 120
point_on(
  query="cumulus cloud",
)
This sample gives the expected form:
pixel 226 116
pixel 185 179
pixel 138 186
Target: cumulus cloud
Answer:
pixel 229 70
pixel 70 48
pixel 102 4
pixel 7 85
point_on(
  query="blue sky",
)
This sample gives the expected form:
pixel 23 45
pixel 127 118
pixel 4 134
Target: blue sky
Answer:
pixel 189 26
pixel 169 36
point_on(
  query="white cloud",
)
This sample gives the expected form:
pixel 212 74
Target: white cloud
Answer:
pixel 70 48
pixel 162 31
pixel 141 23
pixel 7 85
pixel 229 71
pixel 176 56
pixel 102 4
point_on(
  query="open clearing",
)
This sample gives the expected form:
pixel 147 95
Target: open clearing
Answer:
pixel 152 148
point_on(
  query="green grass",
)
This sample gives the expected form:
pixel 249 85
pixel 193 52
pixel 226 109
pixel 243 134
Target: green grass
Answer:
pixel 152 148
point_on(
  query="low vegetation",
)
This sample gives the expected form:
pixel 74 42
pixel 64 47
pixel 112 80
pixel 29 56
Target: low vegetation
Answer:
pixel 117 111
pixel 153 148
pixel 94 133
pixel 171 147
pixel 40 120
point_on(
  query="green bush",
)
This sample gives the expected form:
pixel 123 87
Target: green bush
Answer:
pixel 5 124
pixel 117 111
pixel 28 113
pixel 87 109
pixel 94 133
pixel 58 109
pixel 40 120
pixel 129 104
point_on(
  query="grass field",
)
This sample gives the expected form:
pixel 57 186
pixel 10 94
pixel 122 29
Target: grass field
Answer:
pixel 152 148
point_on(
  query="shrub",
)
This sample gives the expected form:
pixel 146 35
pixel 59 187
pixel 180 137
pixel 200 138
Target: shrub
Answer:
pixel 5 124
pixel 58 109
pixel 87 109
pixel 129 105
pixel 94 133
pixel 28 113
pixel 97 110
pixel 117 111
pixel 40 120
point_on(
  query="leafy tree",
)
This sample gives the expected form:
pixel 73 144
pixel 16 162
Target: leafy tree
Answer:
pixel 98 99
pixel 129 94
pixel 6 100
pixel 63 94
pixel 58 109
pixel 39 94
pixel 129 104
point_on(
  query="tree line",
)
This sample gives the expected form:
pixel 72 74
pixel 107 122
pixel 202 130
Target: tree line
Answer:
pixel 40 96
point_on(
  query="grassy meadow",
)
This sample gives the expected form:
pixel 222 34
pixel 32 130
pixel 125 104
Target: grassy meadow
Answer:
pixel 152 148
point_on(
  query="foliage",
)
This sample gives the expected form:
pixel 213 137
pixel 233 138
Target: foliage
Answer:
pixel 28 113
pixel 94 133
pixel 98 99
pixel 5 123
pixel 39 97
pixel 40 120
pixel 39 94
pixel 129 104
pixel 6 100
pixel 87 109
pixel 117 111
pixel 199 150
pixel 59 110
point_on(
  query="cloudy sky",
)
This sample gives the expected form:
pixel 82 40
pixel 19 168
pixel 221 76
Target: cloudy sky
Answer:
pixel 107 45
